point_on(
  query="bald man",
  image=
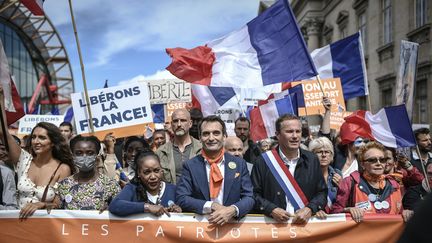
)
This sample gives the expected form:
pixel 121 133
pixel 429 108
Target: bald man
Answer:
pixel 234 146
pixel 183 147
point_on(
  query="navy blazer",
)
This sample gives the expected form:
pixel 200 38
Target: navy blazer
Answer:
pixel 193 188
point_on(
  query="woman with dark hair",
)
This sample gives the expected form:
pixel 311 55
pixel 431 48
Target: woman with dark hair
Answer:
pixel 146 193
pixel 125 170
pixel 88 189
pixel 48 162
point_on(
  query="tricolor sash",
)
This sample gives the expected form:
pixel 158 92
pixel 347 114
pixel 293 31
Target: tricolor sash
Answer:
pixel 286 181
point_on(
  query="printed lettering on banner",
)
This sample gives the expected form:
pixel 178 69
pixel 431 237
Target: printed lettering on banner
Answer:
pixel 28 122
pixel 313 96
pixel 115 109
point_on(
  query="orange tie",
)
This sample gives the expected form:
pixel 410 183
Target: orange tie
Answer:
pixel 215 174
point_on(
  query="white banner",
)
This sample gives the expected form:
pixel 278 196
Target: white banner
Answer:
pixel 164 91
pixel 113 108
pixel 405 82
pixel 28 122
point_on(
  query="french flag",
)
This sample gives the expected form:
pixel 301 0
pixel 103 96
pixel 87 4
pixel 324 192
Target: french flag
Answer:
pixel 269 49
pixel 210 99
pixel 35 6
pixel 263 117
pixel 12 100
pixel 344 59
pixel 390 126
pixel 69 115
pixel 158 111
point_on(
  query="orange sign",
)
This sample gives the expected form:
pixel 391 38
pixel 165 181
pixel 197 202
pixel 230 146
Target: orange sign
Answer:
pixel 313 96
pixel 171 107
pixel 337 118
pixel 90 226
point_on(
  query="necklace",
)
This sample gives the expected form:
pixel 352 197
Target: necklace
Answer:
pixel 158 200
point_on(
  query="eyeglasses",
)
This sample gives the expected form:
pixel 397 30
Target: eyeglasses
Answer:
pixel 376 160
pixel 323 152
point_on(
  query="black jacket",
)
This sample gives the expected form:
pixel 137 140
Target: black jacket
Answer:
pixel 269 195
pixel 253 153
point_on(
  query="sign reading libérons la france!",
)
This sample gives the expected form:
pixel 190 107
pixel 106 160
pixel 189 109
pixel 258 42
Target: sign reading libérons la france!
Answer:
pixel 113 108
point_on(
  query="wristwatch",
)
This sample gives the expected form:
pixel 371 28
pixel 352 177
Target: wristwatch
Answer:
pixel 146 208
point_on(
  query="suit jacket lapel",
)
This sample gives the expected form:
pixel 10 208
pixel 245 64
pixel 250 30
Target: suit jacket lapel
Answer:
pixel 228 177
pixel 199 171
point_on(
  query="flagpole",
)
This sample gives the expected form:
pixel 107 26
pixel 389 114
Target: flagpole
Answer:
pixel 3 127
pixel 423 167
pixel 369 103
pixel 82 68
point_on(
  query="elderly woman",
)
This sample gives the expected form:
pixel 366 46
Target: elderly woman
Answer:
pixel 369 191
pixel 323 148
pixel 88 189
pixel 146 193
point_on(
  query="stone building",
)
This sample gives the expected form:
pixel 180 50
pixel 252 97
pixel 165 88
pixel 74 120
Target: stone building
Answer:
pixel 383 24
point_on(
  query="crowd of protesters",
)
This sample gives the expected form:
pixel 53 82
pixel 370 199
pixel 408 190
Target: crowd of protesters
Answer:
pixel 195 167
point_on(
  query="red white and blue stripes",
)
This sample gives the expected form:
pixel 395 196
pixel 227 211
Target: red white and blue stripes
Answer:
pixel 287 182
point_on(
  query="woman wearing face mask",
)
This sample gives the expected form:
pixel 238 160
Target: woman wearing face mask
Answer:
pixel 146 193
pixel 88 189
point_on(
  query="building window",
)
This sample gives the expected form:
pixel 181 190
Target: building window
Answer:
pixel 362 103
pixel 421 107
pixel 362 28
pixel 387 21
pixel 420 13
pixel 386 97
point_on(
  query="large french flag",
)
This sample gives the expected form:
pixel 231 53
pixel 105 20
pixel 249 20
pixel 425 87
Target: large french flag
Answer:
pixel 35 6
pixel 263 117
pixel 269 49
pixel 390 126
pixel 344 59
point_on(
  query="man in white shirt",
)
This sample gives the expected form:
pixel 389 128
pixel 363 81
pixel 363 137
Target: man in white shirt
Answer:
pixel 215 182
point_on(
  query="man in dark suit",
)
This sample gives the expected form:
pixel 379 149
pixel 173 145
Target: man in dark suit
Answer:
pixel 215 182
pixel 303 166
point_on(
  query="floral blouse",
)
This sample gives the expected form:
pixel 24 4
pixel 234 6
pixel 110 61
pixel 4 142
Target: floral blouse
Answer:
pixel 87 196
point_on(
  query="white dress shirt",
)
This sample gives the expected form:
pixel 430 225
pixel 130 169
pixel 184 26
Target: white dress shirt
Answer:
pixel 292 166
pixel 219 198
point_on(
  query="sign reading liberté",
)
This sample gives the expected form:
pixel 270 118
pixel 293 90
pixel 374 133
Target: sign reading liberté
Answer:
pixel 164 91
pixel 123 110
pixel 28 122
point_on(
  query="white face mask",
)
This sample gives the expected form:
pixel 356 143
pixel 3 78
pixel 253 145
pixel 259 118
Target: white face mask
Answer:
pixel 85 163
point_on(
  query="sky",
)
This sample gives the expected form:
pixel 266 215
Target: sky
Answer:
pixel 125 41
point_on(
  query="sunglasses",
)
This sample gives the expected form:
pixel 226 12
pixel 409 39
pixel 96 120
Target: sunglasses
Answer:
pixel 376 160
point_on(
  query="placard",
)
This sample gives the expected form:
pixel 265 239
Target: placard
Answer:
pixel 123 110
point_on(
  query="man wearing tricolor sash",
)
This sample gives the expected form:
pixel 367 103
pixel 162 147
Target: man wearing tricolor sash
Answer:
pixel 288 181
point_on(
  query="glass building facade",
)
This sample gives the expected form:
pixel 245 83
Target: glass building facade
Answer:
pixel 23 67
